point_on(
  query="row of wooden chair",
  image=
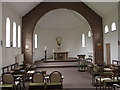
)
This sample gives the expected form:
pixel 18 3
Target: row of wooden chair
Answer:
pixel 41 81
pixel 104 76
pixel 16 71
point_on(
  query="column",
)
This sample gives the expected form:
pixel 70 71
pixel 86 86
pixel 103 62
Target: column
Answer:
pixel 1 37
pixel 119 31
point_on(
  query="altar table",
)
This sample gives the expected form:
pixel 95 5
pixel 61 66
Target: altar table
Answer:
pixel 60 55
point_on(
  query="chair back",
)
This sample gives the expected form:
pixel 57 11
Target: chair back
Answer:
pixel 8 78
pixel 55 77
pixel 37 77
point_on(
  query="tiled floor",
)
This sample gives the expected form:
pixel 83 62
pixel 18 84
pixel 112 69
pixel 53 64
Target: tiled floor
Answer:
pixel 72 78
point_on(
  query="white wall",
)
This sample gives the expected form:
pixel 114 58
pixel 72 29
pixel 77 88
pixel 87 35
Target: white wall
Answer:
pixel 71 40
pixel 0 36
pixel 111 37
pixel 9 53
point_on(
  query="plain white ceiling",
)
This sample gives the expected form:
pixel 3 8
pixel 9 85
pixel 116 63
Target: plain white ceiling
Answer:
pixel 63 18
pixel 102 8
pixel 23 8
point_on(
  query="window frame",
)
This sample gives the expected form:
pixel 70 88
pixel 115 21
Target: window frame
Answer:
pixel 8 33
pixel 89 34
pixel 19 37
pixel 113 25
pixel 83 41
pixel 36 41
pixel 106 28
pixel 14 34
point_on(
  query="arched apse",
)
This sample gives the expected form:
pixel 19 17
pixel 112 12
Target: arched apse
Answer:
pixel 30 19
pixel 67 24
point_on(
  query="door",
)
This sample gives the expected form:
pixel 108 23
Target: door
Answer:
pixel 108 54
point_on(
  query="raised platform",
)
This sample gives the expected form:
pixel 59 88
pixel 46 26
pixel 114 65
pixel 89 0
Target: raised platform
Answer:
pixel 50 63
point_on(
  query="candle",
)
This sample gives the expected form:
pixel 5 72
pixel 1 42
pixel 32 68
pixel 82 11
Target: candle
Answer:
pixel 45 48
pixel 53 50
pixel 53 55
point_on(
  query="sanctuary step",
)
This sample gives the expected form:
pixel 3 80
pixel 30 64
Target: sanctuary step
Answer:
pixel 56 63
pixel 57 66
pixel 70 60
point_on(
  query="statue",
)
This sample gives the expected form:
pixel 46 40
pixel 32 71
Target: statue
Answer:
pixel 59 39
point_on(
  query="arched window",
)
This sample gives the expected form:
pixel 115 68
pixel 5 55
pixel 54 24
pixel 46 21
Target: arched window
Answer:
pixel 19 36
pixel 35 40
pixel 89 34
pixel 83 40
pixel 113 26
pixel 14 34
pixel 7 32
pixel 106 29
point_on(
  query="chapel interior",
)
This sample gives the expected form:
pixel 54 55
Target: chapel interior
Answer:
pixel 59 45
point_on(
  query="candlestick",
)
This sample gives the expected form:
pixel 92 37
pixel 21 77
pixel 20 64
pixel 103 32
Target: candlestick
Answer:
pixel 53 54
pixel 45 55
pixel 53 51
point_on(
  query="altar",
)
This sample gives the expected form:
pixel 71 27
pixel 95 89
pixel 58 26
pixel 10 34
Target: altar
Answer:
pixel 60 55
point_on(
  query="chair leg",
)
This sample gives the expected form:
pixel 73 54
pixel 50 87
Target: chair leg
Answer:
pixel 113 87
pixel 20 86
pixel 96 85
pixel 103 87
pixel 100 87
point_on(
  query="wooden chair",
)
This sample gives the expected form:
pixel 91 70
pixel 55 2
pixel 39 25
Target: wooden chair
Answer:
pixel 56 81
pixel 115 78
pixel 95 72
pixel 8 80
pixel 37 81
pixel 104 76
pixel 116 87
